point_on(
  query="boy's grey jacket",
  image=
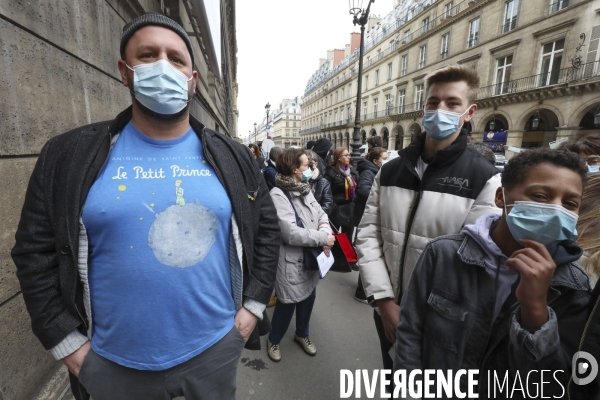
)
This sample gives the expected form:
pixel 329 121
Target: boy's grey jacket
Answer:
pixel 51 244
pixel 446 320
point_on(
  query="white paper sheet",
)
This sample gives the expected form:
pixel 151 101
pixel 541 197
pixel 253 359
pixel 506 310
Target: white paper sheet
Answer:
pixel 325 263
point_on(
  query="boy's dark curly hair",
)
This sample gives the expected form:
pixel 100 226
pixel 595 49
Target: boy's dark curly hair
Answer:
pixel 519 166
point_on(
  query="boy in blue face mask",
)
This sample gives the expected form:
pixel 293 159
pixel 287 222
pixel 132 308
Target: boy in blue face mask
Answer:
pixel 505 296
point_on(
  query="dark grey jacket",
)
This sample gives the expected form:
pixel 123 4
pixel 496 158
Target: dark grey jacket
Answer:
pixel 322 192
pixel 46 249
pixel 367 171
pixel 446 318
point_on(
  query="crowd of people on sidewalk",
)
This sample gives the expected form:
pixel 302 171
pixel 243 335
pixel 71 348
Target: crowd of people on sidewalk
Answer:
pixel 151 288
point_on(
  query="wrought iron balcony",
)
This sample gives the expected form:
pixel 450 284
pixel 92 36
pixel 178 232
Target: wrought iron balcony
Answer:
pixel 559 77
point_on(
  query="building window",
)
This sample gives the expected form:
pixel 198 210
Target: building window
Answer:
pixel 379 54
pixel 366 82
pixel 335 118
pixel 365 109
pixel 406 36
pixel 550 63
pixel 503 69
pixel 404 65
pixel 342 116
pixel 287 132
pixel 388 104
pixel 294 124
pixel 557 5
pixel 336 96
pixel 474 32
pixel 287 124
pixel 445 42
pixel 389 72
pixel 343 94
pixel 422 56
pixel 419 97
pixel 349 114
pixel 401 100
pixel 425 25
pixel 377 78
pixel 375 104
pixel 350 90
pixel 510 16
pixel 393 45
pixel 447 10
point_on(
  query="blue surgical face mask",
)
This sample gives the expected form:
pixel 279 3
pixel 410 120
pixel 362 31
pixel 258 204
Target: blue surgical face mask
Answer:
pixel 160 87
pixel 306 175
pixel 441 124
pixel 593 168
pixel 547 224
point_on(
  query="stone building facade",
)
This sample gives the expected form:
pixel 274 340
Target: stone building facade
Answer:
pixel 58 70
pixel 531 56
pixel 287 119
pixel 284 125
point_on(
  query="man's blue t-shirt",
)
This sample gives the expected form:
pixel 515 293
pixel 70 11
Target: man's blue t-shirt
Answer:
pixel 158 221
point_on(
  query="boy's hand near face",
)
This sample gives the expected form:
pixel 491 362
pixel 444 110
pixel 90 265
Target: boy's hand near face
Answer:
pixel 536 268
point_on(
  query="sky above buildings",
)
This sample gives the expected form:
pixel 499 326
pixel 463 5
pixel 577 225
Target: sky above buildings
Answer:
pixel 279 46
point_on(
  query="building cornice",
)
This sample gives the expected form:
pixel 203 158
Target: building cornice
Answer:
pixel 554 28
pixel 505 46
pixel 469 59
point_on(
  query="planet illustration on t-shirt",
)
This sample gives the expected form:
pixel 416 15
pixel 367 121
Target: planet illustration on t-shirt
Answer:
pixel 182 235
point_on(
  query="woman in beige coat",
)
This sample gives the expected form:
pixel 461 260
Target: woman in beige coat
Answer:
pixel 295 286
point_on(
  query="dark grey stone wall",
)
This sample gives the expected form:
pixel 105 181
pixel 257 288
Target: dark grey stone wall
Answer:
pixel 58 71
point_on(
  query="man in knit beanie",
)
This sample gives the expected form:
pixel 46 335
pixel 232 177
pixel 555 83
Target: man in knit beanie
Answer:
pixel 144 262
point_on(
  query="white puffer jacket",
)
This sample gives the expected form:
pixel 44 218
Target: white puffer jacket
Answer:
pixel 404 213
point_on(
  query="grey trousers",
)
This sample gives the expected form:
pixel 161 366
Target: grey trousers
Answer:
pixel 210 375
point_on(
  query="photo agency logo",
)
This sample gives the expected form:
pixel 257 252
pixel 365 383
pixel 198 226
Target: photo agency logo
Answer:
pixel 585 368
pixel 433 384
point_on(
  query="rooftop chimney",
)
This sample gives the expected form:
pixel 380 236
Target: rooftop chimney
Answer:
pixel 354 41
pixel 338 55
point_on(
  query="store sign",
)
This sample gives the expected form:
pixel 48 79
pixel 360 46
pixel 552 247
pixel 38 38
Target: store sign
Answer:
pixel 496 141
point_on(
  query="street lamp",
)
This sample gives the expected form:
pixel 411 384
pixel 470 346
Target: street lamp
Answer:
pixel 267 109
pixel 361 17
pixel 249 136
pixel 535 122
pixel 255 132
pixel 493 121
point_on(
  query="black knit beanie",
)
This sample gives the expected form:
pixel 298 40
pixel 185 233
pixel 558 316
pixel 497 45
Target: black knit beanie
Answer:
pixel 156 19
pixel 322 147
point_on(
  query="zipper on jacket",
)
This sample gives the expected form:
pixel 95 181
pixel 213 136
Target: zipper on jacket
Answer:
pixel 413 212
pixel 211 162
pixel 494 294
pixel 80 316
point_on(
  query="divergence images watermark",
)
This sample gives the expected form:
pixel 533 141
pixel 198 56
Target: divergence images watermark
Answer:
pixel 431 383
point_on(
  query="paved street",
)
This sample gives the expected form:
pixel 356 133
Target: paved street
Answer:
pixel 345 336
